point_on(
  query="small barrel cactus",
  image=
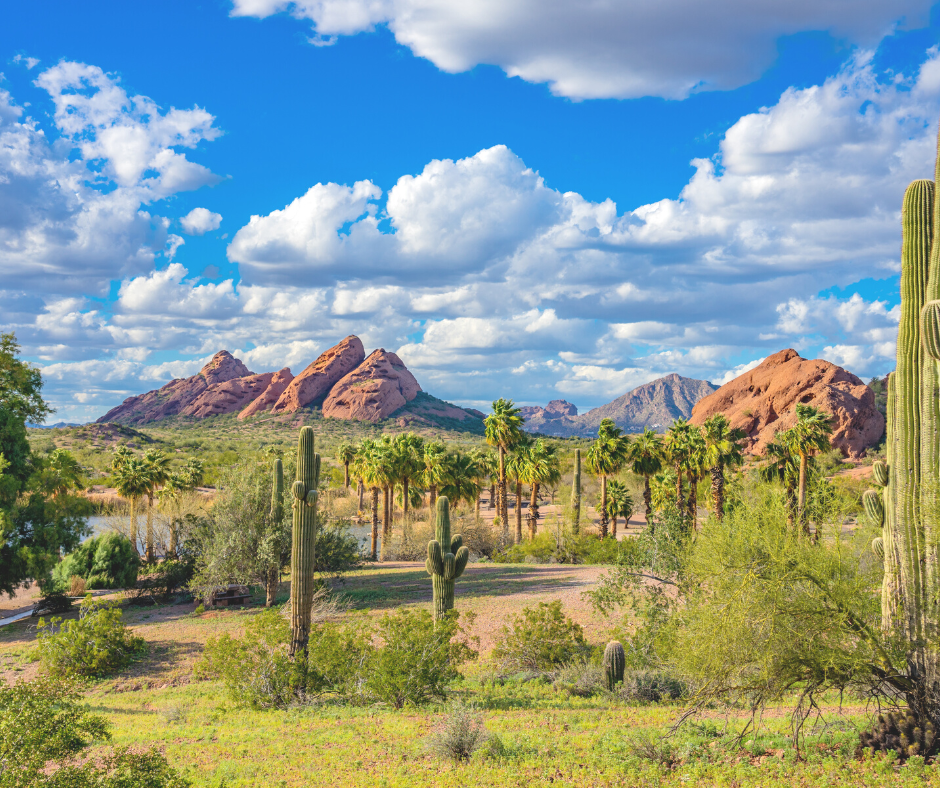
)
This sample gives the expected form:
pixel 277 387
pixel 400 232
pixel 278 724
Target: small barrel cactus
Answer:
pixel 304 537
pixel 445 567
pixel 615 660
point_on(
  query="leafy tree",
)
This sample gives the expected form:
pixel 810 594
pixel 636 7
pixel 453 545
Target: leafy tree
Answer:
pixel 645 457
pixel 723 450
pixel 61 474
pixel 106 561
pixel 605 457
pixel 503 430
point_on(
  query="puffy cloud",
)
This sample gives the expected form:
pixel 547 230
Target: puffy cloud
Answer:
pixel 200 221
pixel 669 48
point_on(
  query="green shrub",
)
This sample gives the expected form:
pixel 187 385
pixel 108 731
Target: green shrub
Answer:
pixel 163 579
pixel 419 659
pixel 43 725
pixel 459 735
pixel 337 550
pixel 96 645
pixel 258 673
pixel 106 561
pixel 541 638
pixel 584 548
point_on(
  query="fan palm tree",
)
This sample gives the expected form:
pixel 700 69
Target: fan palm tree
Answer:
pixel 384 458
pixel 461 479
pixel 517 468
pixel 723 450
pixel 645 458
pixel 369 467
pixel 810 434
pixel 485 462
pixel 605 457
pixel 435 469
pixel 194 472
pixel 345 454
pixel 62 473
pixel 158 466
pixel 543 468
pixel 783 465
pixel 503 430
pixel 132 479
pixel 676 447
pixel 408 461
pixel 619 504
pixel 120 456
pixel 695 466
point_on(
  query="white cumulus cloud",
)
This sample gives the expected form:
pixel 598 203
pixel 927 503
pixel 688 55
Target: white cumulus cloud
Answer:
pixel 200 221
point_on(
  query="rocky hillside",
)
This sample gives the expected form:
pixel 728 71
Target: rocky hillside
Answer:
pixel 763 401
pixel 656 405
pixel 342 381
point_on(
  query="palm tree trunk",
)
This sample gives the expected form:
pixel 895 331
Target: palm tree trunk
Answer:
pixel 518 511
pixel 492 502
pixel 404 499
pixel 361 489
pixel 613 530
pixel 801 502
pixel 134 523
pixel 387 519
pixel 503 504
pixel 718 490
pixel 150 528
pixel 346 476
pixel 680 499
pixel 375 522
pixel 693 500
pixel 476 510
pixel 534 510
pixel 648 500
pixel 604 518
pixel 790 494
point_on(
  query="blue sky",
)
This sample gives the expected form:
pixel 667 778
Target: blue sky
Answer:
pixel 525 199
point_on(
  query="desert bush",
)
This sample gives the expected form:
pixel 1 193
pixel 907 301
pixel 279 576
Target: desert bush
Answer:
pixel 651 686
pixel 459 735
pixel 76 586
pixel 54 602
pixel 541 638
pixel 44 731
pixel 581 678
pixel 258 673
pixel 419 658
pixel 585 548
pixel 162 580
pixel 106 561
pixel 95 645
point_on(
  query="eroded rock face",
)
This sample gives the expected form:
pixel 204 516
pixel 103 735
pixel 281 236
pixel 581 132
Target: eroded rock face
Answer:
pixel 556 409
pixel 266 400
pixel 178 394
pixel 312 386
pixel 378 387
pixel 763 402
pixel 228 397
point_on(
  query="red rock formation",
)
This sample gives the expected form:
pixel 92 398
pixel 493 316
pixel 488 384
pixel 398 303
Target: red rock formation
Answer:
pixel 763 402
pixel 178 394
pixel 270 395
pixel 373 391
pixel 228 397
pixel 312 386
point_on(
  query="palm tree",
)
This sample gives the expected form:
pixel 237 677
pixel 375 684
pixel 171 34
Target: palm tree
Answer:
pixel 783 464
pixel 345 454
pixel 676 447
pixel 193 471
pixel 368 466
pixel 695 465
pixel 177 483
pixel 605 457
pixel 132 479
pixel 62 473
pixel 461 479
pixel 435 457
pixel 384 458
pixel 120 456
pixel 503 430
pixel 645 457
pixel 484 462
pixel 619 504
pixel 408 450
pixel 517 468
pixel 810 434
pixel 158 467
pixel 723 450
pixel 543 468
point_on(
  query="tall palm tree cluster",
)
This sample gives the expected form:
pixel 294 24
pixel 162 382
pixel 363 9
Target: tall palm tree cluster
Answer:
pixel 142 477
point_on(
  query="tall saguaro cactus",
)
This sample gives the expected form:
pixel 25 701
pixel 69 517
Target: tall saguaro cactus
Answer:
pixel 447 558
pixel 907 506
pixel 304 535
pixel 273 578
pixel 576 494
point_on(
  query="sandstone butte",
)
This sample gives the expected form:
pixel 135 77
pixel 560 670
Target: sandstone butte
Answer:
pixel 265 401
pixel 229 396
pixel 178 394
pixel 373 391
pixel 763 402
pixel 312 386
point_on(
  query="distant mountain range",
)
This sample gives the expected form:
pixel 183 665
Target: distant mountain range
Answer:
pixel 655 405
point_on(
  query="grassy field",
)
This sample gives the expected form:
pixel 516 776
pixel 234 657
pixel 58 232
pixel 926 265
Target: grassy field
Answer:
pixel 547 737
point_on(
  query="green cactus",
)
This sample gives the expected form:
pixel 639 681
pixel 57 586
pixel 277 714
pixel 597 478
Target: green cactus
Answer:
pixel 615 660
pixel 874 507
pixel 445 567
pixel 576 494
pixel 304 535
pixel 879 473
pixel 273 577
